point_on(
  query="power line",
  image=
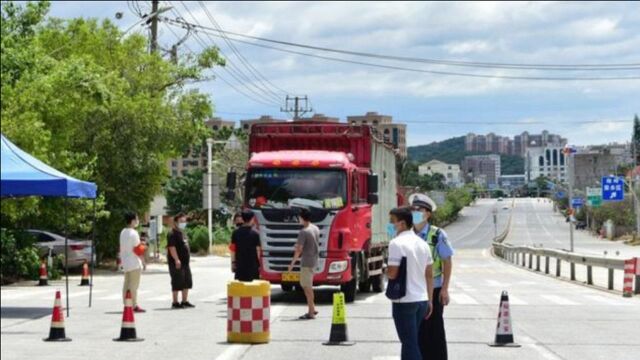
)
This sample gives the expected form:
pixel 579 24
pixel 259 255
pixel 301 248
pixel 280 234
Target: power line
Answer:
pixel 566 67
pixel 394 67
pixel 265 97
pixel 238 53
pixel 250 97
pixel 456 122
pixel 265 90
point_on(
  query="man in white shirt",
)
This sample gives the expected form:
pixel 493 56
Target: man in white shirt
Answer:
pixel 410 310
pixel 131 263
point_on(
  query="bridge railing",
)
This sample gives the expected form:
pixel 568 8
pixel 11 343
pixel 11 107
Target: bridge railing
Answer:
pixel 531 257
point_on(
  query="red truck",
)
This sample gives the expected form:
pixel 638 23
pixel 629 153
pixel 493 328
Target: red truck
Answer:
pixel 345 176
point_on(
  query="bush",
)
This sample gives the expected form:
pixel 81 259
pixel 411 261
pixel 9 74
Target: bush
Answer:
pixel 19 257
pixel 198 238
pixel 222 235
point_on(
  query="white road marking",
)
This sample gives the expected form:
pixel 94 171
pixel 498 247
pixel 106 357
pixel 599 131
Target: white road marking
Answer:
pixel 559 300
pixel 513 300
pixel 546 354
pixel 463 299
pixel 29 292
pixel 85 293
pixel 494 283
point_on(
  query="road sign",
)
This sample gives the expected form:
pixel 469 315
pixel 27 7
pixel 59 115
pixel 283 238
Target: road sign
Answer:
pixel 594 197
pixel 612 188
pixel 577 202
pixel 559 195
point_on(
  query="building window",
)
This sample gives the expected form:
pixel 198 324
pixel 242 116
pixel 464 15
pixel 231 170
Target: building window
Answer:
pixel 215 127
pixel 555 157
pixel 548 156
pixel 541 161
pixel 185 163
pixel 174 163
pixel 174 173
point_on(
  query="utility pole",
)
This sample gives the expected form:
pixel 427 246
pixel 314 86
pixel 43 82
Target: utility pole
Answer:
pixel 154 26
pixel 297 110
pixel 569 159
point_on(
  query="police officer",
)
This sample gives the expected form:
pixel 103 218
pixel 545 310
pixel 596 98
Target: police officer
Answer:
pixel 432 338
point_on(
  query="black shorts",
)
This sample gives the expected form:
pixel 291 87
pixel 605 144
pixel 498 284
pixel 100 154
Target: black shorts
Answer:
pixel 180 278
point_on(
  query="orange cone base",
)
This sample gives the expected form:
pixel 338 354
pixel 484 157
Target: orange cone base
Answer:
pixel 504 341
pixel 128 334
pixel 43 282
pixel 84 282
pixel 57 334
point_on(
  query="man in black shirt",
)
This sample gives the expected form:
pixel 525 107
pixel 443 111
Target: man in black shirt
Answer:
pixel 245 243
pixel 178 259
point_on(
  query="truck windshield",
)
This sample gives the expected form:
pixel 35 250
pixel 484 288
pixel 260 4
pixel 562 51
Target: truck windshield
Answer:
pixel 282 188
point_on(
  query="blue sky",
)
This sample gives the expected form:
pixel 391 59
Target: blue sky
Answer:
pixel 433 105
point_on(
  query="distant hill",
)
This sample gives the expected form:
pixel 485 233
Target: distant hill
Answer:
pixel 452 151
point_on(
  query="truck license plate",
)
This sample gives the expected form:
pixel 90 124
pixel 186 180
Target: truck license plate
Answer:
pixel 290 277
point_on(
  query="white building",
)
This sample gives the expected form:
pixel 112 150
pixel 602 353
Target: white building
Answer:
pixel 547 161
pixel 451 172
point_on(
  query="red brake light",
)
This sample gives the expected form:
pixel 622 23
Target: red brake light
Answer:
pixel 76 247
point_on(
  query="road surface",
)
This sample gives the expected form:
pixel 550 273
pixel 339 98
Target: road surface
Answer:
pixel 552 319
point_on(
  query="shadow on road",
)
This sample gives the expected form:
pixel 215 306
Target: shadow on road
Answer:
pixel 323 295
pixel 10 312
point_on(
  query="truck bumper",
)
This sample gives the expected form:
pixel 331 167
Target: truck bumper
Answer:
pixel 323 278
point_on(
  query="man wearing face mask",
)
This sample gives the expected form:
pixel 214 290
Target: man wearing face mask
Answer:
pixel 410 310
pixel 433 341
pixel 178 259
pixel 132 264
pixel 245 250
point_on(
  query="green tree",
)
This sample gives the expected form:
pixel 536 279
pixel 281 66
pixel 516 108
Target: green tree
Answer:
pixel 184 193
pixel 97 105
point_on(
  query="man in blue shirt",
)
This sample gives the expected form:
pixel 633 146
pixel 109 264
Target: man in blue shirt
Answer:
pixel 433 341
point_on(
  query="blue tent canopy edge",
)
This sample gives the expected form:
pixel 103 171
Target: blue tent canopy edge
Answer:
pixel 24 175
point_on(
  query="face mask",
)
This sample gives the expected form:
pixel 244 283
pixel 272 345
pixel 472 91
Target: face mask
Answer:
pixel 418 217
pixel 182 225
pixel 391 230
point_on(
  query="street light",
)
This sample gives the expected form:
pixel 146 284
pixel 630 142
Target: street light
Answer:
pixel 210 143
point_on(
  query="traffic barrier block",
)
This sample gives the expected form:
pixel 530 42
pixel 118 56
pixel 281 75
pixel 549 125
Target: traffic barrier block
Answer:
pixel 504 330
pixel 629 273
pixel 128 329
pixel 248 312
pixel 56 332
pixel 44 274
pixel 85 275
pixel 338 335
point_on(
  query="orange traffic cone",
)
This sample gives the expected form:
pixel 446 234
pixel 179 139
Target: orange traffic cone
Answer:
pixel 504 331
pixel 85 275
pixel 128 330
pixel 56 333
pixel 44 274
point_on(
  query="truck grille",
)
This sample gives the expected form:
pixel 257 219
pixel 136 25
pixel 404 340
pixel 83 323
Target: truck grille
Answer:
pixel 278 240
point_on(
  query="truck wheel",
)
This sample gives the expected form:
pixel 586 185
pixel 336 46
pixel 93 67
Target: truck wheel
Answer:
pixel 349 289
pixel 377 283
pixel 364 286
pixel 287 287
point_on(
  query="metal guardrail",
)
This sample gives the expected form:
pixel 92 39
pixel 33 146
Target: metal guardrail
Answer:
pixel 518 256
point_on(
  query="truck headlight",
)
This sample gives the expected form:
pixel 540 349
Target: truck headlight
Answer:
pixel 338 266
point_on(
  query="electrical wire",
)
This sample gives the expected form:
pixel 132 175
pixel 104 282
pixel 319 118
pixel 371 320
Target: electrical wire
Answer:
pixel 566 67
pixel 268 93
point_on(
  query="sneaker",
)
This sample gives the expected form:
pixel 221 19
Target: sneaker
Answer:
pixel 176 306
pixel 138 309
pixel 186 304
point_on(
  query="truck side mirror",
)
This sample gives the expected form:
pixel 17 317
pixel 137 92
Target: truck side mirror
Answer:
pixel 372 199
pixel 231 180
pixel 372 183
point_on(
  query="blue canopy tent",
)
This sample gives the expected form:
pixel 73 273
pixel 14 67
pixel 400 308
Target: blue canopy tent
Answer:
pixel 23 175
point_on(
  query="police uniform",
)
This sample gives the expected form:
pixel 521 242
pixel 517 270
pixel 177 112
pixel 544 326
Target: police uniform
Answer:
pixel 432 336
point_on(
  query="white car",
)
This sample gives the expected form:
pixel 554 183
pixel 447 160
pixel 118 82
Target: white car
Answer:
pixel 79 250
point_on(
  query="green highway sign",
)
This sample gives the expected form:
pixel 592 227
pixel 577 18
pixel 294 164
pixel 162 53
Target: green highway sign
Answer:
pixel 594 197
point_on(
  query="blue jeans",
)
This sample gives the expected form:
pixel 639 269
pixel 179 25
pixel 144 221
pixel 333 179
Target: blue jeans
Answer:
pixel 407 318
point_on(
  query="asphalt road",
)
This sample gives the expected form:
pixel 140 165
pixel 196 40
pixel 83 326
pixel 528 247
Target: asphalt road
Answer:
pixel 552 319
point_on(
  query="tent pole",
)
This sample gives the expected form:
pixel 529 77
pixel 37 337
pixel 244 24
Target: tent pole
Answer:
pixel 66 250
pixel 93 249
